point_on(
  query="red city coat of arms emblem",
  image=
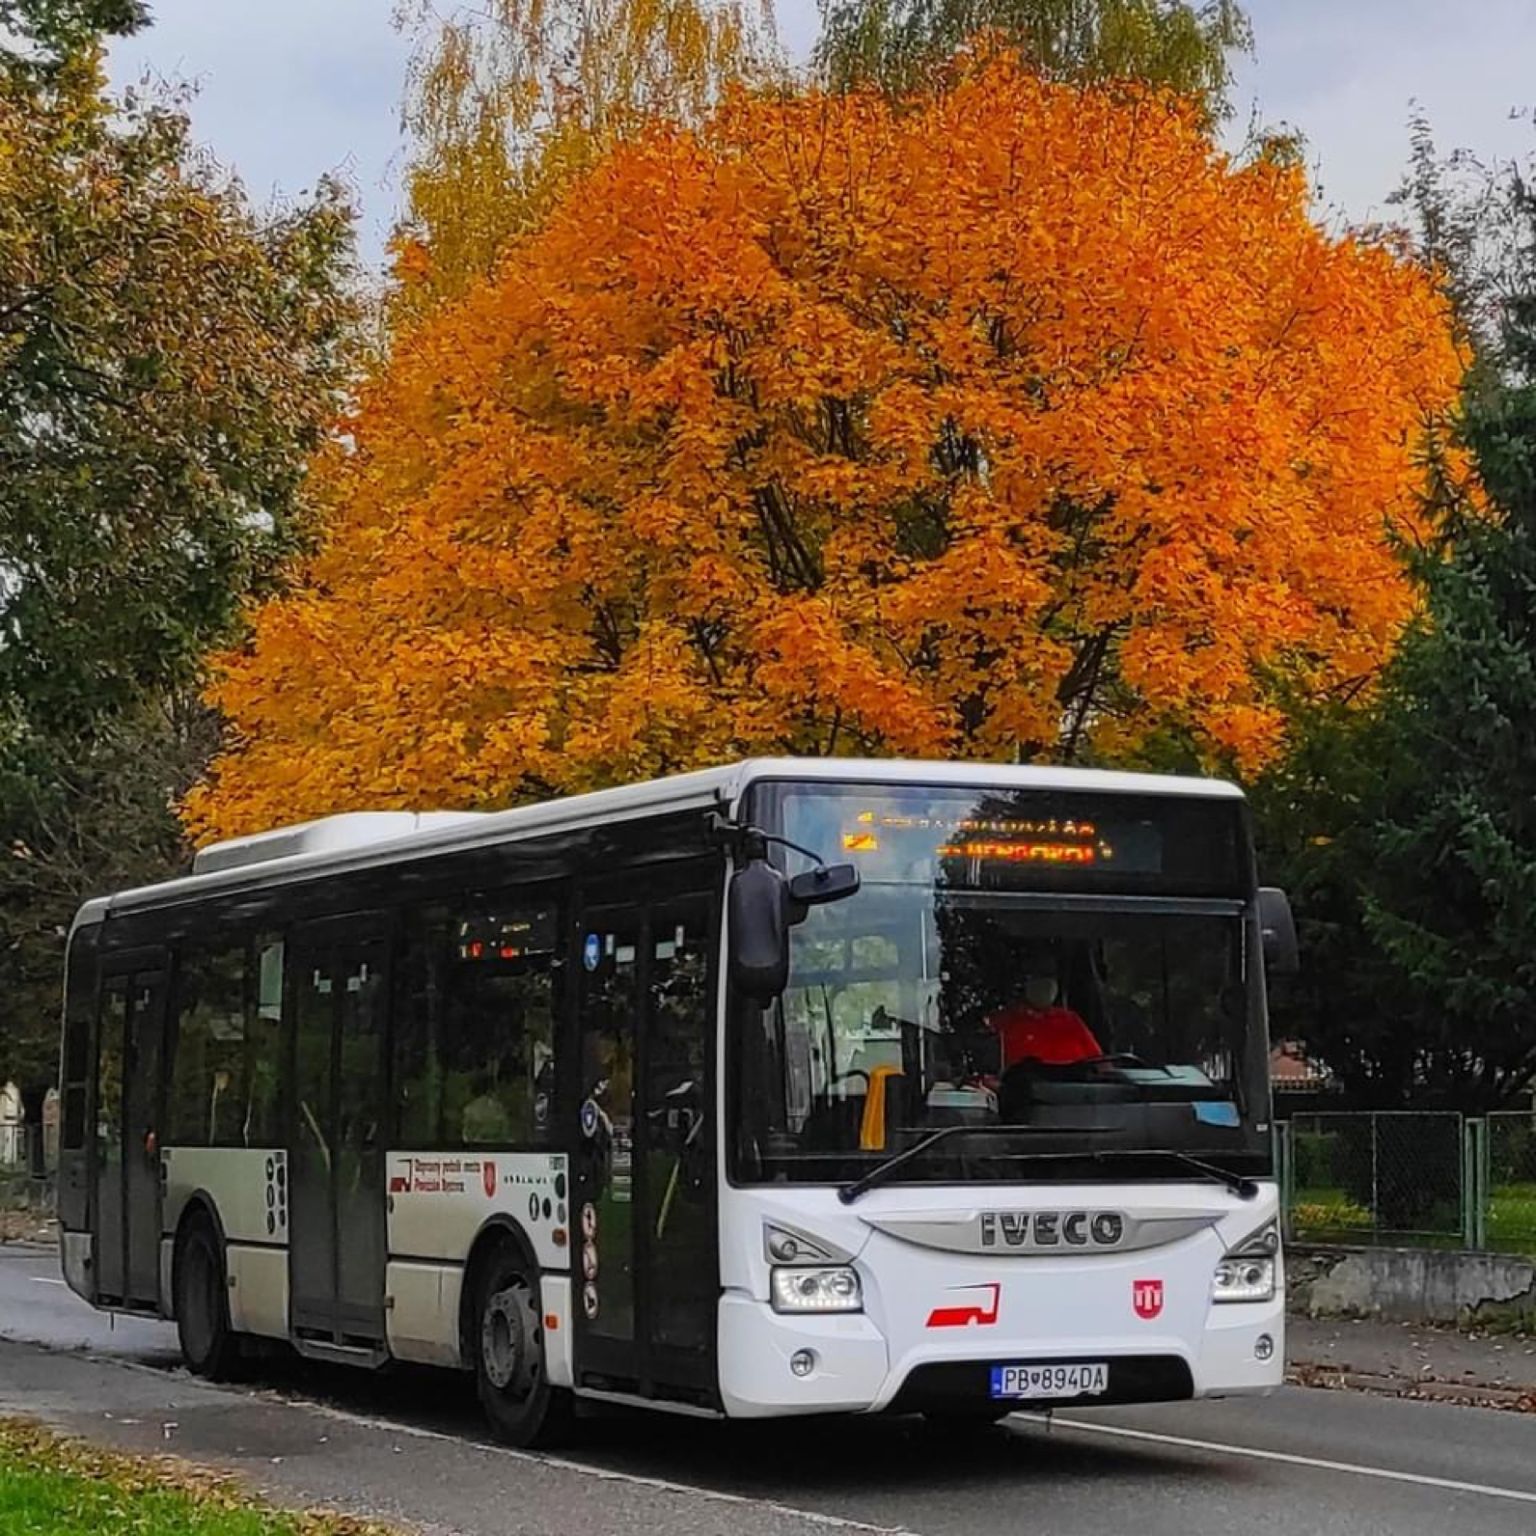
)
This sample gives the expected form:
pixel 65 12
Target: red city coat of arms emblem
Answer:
pixel 1147 1298
pixel 488 1173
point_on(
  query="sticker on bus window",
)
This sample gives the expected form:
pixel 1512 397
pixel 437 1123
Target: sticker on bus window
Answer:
pixel 592 952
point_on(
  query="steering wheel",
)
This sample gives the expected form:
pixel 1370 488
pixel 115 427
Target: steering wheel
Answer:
pixel 1053 1069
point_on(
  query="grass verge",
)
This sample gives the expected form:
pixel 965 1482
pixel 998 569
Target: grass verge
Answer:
pixel 50 1486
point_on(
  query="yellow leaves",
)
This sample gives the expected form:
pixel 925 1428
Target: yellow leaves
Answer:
pixel 410 261
pixel 1015 419
pixel 809 674
pixel 509 102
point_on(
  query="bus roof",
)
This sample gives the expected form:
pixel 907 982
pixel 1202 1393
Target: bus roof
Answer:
pixel 359 839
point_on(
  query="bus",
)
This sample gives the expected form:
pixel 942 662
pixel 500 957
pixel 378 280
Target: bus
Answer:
pixel 788 1087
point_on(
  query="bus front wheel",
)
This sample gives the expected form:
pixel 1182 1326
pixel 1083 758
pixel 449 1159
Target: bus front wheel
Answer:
pixel 208 1344
pixel 508 1339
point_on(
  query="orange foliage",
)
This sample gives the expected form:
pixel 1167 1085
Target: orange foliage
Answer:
pixel 1019 421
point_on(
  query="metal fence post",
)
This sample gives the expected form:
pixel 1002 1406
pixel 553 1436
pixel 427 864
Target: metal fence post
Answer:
pixel 1478 1144
pixel 1285 1174
pixel 1468 1183
pixel 1375 1124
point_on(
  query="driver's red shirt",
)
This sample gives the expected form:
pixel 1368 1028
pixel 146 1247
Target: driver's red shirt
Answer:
pixel 1054 1035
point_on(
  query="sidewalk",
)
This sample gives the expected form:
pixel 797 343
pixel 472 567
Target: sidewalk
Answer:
pixel 437 1481
pixel 1403 1360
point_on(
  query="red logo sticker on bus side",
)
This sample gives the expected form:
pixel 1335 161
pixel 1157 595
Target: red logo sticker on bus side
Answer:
pixel 982 1311
pixel 1147 1298
pixel 488 1171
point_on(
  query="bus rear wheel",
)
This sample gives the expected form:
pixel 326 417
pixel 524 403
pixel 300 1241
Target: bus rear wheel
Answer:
pixel 508 1340
pixel 208 1344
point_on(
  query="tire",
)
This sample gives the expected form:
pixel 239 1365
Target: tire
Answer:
pixel 507 1345
pixel 208 1344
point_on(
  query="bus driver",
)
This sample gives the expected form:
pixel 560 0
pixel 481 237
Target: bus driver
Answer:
pixel 1040 1029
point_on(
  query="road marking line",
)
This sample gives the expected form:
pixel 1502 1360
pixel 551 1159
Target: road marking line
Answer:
pixel 586 1469
pixel 1291 1458
pixel 833 1522
pixel 45 1280
pixel 535 1458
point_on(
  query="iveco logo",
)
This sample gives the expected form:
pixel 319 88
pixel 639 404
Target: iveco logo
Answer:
pixel 1052 1229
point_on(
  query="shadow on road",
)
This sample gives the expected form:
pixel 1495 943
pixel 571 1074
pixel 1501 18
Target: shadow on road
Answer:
pixel 788 1459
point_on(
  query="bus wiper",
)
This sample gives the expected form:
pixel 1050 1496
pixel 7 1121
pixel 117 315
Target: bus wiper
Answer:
pixel 882 1171
pixel 1243 1187
pixel 1238 1183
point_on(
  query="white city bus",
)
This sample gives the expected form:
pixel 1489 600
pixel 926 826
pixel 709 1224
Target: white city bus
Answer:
pixel 788 1087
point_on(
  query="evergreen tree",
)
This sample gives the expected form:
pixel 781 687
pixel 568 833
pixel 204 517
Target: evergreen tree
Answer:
pixel 1410 836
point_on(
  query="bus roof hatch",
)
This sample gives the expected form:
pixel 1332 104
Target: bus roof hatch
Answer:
pixel 356 829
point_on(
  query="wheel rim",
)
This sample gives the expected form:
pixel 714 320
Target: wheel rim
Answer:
pixel 509 1340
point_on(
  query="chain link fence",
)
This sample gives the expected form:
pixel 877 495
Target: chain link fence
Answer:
pixel 1435 1180
pixel 1389 1178
pixel 1509 1180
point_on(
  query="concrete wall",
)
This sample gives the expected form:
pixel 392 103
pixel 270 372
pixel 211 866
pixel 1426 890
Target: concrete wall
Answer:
pixel 1413 1285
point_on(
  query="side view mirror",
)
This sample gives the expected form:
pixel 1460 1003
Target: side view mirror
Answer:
pixel 1282 953
pixel 762 906
pixel 757 911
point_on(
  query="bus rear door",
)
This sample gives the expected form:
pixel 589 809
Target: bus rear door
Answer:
pixel 130 1035
pixel 336 1164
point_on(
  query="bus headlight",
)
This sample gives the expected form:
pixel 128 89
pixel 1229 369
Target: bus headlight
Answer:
pixel 834 1289
pixel 1242 1279
pixel 1247 1273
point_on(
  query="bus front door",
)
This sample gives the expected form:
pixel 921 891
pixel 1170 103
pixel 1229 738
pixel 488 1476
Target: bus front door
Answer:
pixel 336 1162
pixel 644 1267
pixel 130 1032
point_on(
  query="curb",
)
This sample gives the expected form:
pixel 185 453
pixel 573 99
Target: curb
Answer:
pixel 1333 1378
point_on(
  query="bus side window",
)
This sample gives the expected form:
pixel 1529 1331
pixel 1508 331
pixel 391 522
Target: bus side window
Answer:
pixel 264 1035
pixel 418 1089
pixel 79 1007
pixel 474 1043
pixel 210 1071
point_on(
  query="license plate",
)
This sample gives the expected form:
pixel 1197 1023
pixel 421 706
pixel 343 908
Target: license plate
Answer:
pixel 1035 1381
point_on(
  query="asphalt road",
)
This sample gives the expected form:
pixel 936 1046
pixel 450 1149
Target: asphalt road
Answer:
pixel 410 1446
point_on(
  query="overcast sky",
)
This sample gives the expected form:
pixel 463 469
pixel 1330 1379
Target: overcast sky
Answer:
pixel 290 89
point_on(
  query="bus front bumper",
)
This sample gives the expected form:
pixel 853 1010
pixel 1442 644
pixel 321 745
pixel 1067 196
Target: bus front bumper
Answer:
pixel 773 1365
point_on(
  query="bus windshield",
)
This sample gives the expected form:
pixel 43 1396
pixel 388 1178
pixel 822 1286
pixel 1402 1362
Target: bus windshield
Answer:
pixel 1074 967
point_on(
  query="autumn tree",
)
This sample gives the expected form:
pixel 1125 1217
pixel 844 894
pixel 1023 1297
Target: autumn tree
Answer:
pixel 506 103
pixel 899 45
pixel 38 37
pixel 1018 423
pixel 168 364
